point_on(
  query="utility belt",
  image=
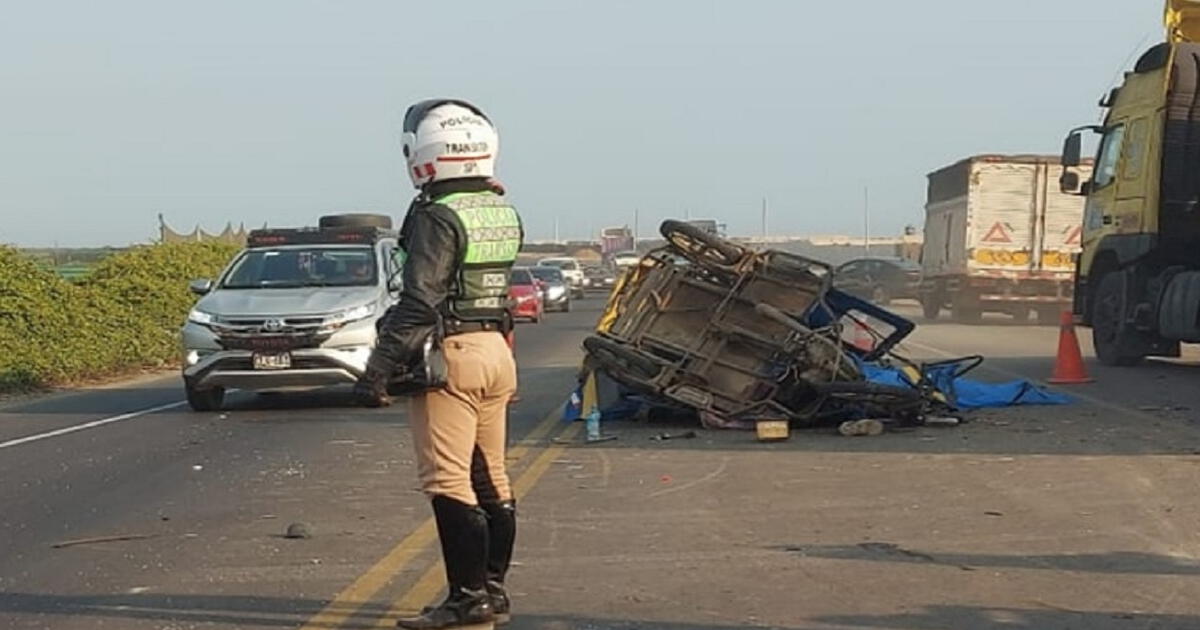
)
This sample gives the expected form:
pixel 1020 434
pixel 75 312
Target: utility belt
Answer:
pixel 429 372
pixel 458 327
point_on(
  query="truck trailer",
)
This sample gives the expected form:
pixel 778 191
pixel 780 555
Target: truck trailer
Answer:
pixel 1000 236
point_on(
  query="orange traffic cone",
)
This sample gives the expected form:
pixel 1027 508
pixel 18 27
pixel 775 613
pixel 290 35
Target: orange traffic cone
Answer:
pixel 1068 367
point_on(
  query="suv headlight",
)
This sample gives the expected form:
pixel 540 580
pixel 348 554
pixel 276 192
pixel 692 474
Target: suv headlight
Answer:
pixel 349 315
pixel 197 316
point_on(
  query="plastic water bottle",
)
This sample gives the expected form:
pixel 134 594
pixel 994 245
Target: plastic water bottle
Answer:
pixel 593 425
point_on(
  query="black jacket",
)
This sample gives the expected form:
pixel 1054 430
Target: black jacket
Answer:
pixel 434 241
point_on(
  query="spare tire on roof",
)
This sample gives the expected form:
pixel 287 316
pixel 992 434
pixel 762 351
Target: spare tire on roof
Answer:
pixel 355 220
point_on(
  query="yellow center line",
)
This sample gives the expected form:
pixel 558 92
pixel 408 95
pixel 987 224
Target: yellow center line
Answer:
pixel 431 583
pixel 346 603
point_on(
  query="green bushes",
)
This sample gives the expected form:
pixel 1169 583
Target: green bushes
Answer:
pixel 126 314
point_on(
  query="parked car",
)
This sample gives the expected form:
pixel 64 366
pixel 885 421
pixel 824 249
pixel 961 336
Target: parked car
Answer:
pixel 879 280
pixel 296 308
pixel 525 293
pixel 571 270
pixel 556 292
pixel 598 279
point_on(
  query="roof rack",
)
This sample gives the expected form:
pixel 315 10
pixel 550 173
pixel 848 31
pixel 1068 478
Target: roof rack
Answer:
pixel 314 236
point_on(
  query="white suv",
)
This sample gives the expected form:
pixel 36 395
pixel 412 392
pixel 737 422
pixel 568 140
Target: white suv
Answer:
pixel 297 308
pixel 571 270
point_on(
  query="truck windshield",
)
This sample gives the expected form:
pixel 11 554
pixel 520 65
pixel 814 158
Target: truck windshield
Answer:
pixel 303 267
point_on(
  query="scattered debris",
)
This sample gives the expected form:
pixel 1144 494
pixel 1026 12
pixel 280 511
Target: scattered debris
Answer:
pixel 772 430
pixel 686 435
pixel 298 530
pixel 100 539
pixel 866 426
pixel 585 441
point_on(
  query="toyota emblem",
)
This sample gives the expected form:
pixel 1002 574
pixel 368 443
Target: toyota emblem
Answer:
pixel 273 325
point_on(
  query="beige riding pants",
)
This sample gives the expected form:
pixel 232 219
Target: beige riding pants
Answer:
pixel 460 431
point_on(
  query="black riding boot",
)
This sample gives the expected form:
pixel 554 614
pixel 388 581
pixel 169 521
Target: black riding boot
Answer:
pixel 463 531
pixel 502 533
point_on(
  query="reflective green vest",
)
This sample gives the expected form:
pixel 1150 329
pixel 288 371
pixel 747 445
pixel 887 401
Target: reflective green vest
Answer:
pixel 493 231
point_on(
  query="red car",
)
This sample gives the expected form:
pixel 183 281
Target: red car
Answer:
pixel 525 295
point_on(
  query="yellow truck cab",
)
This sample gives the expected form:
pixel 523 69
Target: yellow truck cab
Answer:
pixel 1137 283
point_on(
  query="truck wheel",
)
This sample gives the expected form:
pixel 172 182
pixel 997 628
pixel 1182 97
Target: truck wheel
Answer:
pixel 964 314
pixel 879 295
pixel 1049 315
pixel 205 399
pixel 1115 343
pixel 931 307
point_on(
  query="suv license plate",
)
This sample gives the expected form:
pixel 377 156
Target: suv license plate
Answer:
pixel 272 361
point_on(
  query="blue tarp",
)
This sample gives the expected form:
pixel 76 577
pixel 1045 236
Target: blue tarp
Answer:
pixel 965 393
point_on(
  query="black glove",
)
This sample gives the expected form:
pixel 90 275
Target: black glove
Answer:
pixel 371 388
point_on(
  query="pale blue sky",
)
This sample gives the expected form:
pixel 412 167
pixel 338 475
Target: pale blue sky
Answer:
pixel 280 110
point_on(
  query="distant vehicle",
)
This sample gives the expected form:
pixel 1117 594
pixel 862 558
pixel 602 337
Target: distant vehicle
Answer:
pixel 556 292
pixel 879 280
pixel 596 278
pixel 709 225
pixel 296 308
pixel 525 293
pixel 1001 237
pixel 571 269
pixel 621 260
pixel 616 239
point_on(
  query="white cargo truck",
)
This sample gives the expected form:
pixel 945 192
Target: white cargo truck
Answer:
pixel 1000 236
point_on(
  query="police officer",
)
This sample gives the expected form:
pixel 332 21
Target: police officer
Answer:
pixel 461 239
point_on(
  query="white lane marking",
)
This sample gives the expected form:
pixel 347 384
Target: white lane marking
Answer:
pixel 90 425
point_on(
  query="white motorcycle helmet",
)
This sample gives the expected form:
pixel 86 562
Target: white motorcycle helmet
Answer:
pixel 448 139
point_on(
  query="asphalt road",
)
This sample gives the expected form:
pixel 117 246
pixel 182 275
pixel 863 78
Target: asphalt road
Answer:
pixel 1081 516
